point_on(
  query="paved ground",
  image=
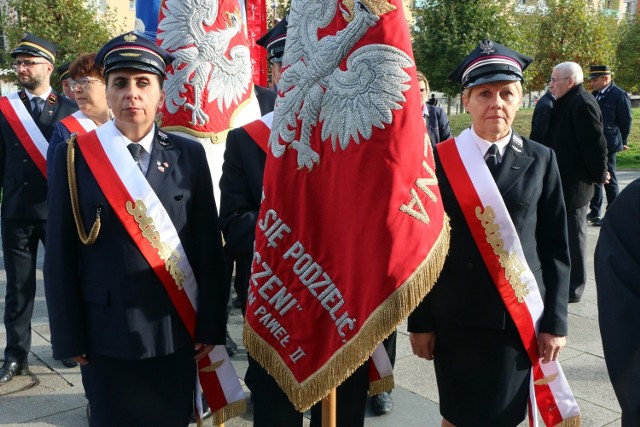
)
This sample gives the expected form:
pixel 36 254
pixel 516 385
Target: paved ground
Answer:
pixel 53 396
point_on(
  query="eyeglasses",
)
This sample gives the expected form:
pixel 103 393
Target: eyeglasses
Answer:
pixel 554 80
pixel 82 83
pixel 27 64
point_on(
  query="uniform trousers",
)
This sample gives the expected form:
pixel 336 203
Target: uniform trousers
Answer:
pixel 20 240
pixel 577 228
pixel 611 188
pixel 272 408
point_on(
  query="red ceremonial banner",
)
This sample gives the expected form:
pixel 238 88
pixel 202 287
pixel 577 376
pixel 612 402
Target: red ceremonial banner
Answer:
pixel 210 82
pixel 351 233
pixel 256 28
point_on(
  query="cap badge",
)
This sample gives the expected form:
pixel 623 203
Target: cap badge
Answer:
pixel 130 38
pixel 486 47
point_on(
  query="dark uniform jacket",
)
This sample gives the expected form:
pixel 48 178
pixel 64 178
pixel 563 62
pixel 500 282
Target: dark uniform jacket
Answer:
pixel 615 106
pixel 104 298
pixel 617 268
pixel 24 188
pixel 541 117
pixel 241 192
pixel 437 124
pixel 465 294
pixel 575 134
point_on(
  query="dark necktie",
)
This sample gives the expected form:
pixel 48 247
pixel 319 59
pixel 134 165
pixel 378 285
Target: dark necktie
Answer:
pixel 36 106
pixel 135 149
pixel 492 158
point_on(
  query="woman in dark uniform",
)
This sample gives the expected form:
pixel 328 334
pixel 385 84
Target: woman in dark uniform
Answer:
pixel 466 323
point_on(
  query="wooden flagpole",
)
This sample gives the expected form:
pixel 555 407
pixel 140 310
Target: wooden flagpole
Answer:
pixel 329 409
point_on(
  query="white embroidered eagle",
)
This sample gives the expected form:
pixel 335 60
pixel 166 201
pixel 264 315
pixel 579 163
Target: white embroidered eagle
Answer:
pixel 201 57
pixel 348 103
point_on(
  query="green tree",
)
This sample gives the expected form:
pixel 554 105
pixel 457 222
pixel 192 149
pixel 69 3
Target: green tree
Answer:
pixel 571 30
pixel 627 74
pixel 70 24
pixel 445 31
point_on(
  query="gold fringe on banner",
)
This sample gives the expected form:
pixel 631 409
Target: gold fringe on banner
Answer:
pixel 234 409
pixel 571 422
pixel 384 320
pixel 381 385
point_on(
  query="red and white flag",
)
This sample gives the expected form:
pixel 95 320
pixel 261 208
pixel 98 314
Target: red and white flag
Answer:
pixel 209 87
pixel 352 233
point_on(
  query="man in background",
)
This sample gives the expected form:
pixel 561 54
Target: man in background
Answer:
pixel 575 134
pixel 26 124
pixel 615 106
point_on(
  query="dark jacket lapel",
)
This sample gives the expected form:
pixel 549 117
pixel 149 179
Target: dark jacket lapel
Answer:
pixel 514 164
pixel 164 158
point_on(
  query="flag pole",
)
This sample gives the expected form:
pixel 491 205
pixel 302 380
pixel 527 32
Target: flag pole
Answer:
pixel 329 409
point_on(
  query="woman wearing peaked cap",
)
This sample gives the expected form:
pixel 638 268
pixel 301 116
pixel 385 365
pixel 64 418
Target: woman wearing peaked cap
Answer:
pixel 138 297
pixel 466 323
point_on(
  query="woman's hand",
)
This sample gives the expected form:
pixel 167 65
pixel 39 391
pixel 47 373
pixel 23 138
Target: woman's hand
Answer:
pixel 423 344
pixel 202 350
pixel 549 346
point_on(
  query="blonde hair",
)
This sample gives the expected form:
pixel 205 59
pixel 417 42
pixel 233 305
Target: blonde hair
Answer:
pixel 423 78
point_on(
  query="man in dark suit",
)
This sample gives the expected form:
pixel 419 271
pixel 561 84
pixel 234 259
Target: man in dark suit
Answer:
pixel 575 134
pixel 466 323
pixel 541 117
pixel 26 124
pixel 615 106
pixel 142 296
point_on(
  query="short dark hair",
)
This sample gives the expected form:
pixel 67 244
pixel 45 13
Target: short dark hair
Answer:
pixel 85 66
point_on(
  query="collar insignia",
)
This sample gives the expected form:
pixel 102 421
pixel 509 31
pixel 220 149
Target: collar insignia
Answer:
pixel 516 143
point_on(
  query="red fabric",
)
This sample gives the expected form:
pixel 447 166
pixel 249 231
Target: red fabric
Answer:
pixel 23 135
pixel 73 125
pixel 259 132
pixel 219 119
pixel 468 197
pixel 346 214
pixel 256 28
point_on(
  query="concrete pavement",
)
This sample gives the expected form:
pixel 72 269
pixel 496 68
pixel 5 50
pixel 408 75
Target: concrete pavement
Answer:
pixel 53 395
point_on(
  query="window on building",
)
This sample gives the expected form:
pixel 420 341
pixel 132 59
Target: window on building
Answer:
pixel 132 4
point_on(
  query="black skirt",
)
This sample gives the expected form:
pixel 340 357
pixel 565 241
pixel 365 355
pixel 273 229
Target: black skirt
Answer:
pixel 149 392
pixel 482 374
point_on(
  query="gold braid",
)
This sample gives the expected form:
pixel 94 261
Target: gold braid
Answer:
pixel 73 191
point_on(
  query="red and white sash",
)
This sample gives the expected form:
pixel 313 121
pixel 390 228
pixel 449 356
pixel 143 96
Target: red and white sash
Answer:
pixel 149 225
pixel 78 123
pixel 26 130
pixel 500 247
pixel 259 130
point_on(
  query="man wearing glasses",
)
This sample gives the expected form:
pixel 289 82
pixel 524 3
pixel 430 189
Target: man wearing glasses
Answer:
pixel 26 123
pixel 575 134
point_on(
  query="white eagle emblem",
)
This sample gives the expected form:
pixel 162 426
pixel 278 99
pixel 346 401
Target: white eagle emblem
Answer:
pixel 202 60
pixel 313 88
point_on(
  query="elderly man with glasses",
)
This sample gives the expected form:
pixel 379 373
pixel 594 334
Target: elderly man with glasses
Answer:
pixel 575 133
pixel 26 123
